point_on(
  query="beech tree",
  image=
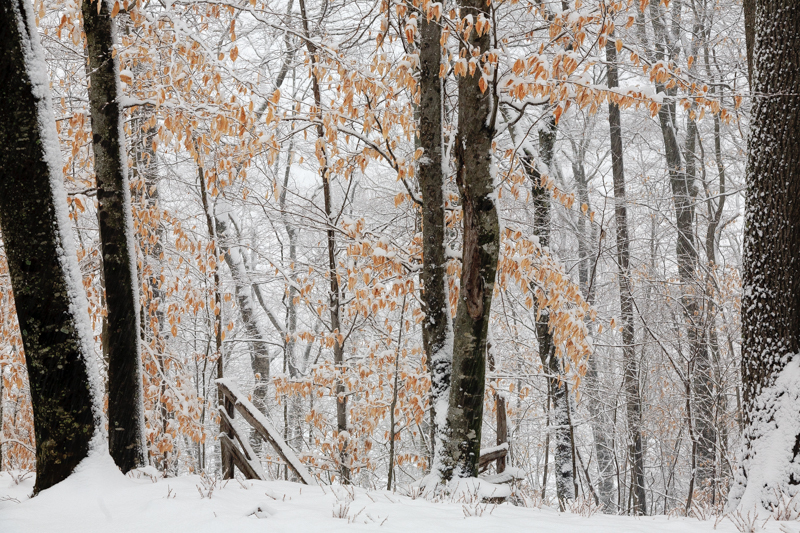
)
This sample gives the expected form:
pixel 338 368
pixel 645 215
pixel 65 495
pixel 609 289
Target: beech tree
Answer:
pixel 48 292
pixel 477 112
pixel 631 376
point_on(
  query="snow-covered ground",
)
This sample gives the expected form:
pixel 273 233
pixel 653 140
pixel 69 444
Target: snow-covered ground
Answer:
pixel 99 498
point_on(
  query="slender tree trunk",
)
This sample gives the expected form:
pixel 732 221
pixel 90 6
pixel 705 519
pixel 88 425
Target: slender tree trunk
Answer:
pixel 333 293
pixel 479 260
pixel 43 267
pixel 601 424
pixel 125 407
pixel 701 377
pixel 771 280
pixel 242 289
pixel 393 405
pixel 630 362
pixel 749 7
pixel 437 328
pixel 559 391
pixel 226 462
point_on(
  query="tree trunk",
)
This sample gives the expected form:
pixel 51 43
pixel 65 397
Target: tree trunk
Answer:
pixel 226 460
pixel 479 261
pixel 557 385
pixel 125 407
pixel 437 328
pixel 771 279
pixel 333 294
pixel 242 290
pixel 601 423
pixel 749 7
pixel 45 278
pixel 630 363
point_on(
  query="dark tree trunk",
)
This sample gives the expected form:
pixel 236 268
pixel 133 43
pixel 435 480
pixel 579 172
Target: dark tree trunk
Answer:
pixel 749 7
pixel 771 280
pixel 226 460
pixel 125 407
pixel 682 174
pixel 435 339
pixel 557 385
pixel 630 363
pixel 43 268
pixel 479 261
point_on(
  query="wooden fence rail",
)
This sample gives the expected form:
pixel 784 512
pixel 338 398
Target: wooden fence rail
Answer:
pixel 242 455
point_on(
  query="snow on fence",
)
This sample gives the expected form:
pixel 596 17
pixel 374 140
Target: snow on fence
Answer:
pixel 245 458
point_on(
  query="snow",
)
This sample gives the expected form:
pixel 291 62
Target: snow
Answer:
pixel 765 470
pixel 98 498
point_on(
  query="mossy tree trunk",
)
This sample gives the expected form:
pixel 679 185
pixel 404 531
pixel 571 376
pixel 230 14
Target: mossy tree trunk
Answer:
pixel 45 278
pixel 474 176
pixel 435 331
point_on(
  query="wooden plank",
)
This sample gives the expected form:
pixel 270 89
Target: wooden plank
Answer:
pixel 238 458
pixel 226 457
pixel 227 423
pixel 265 429
pixel 493 455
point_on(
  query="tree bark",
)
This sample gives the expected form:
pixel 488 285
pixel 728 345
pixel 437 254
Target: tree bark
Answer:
pixel 630 363
pixel 45 278
pixel 437 328
pixel 125 407
pixel 601 423
pixel 479 260
pixel 557 386
pixel 749 7
pixel 771 278
pixel 226 460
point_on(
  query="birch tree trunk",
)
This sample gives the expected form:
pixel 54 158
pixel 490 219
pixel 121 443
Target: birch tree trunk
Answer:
pixel 125 407
pixel 43 267
pixel 480 251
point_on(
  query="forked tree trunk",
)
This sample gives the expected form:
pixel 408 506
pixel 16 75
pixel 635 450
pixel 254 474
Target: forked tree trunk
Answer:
pixel 771 280
pixel 437 328
pixel 125 407
pixel 479 260
pixel 43 267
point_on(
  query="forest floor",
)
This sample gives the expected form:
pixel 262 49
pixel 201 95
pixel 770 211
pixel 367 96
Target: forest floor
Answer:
pixel 98 498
